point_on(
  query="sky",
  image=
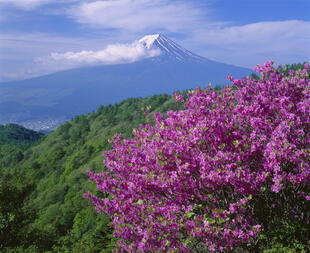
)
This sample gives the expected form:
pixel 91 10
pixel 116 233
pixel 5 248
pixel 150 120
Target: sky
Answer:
pixel 44 36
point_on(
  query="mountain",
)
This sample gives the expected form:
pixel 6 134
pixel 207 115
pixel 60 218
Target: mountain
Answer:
pixel 44 102
pixel 169 49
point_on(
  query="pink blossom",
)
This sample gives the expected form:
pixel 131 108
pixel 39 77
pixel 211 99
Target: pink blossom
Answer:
pixel 196 172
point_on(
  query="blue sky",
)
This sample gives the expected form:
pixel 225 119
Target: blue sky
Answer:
pixel 241 32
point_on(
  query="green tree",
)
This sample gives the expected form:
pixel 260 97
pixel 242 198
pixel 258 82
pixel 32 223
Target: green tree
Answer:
pixel 14 216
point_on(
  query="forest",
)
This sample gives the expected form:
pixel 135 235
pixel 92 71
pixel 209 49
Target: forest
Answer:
pixel 43 179
pixel 46 176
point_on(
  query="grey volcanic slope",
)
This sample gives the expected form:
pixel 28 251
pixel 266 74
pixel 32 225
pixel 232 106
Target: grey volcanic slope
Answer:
pixel 44 102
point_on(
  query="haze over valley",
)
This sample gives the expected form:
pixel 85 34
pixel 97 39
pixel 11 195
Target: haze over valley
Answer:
pixel 163 66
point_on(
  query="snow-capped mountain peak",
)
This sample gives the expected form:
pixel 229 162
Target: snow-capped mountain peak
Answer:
pixel 169 48
pixel 149 40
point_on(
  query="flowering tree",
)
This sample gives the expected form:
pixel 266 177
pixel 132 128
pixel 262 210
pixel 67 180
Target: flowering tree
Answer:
pixel 195 175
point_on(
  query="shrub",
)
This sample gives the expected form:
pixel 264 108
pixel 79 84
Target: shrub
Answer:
pixel 199 175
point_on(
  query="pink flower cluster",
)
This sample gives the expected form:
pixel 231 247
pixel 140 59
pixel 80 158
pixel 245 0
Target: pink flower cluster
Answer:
pixel 193 176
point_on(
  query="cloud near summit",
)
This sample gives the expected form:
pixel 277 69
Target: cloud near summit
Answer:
pixel 112 54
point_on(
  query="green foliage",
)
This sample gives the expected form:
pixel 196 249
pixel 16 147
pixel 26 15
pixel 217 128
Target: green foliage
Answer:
pixel 16 218
pixel 14 141
pixel 58 218
pixel 283 230
pixel 285 68
pixel 15 133
pixel 58 164
pixel 296 66
pixel 13 217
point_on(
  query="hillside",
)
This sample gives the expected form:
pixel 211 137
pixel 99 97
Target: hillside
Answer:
pixel 14 133
pixel 14 140
pixel 43 182
pixel 57 167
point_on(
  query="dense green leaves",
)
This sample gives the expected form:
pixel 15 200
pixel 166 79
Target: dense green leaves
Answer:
pixel 14 140
pixel 58 218
pixel 17 217
pixel 58 166
pixel 15 133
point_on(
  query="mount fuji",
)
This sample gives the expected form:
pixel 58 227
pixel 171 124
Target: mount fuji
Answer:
pixel 169 50
pixel 45 102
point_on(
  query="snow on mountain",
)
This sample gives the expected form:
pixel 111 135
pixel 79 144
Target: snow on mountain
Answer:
pixel 149 40
pixel 169 48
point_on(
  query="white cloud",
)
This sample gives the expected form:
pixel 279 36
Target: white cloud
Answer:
pixel 140 15
pixel 260 33
pixel 112 54
pixel 18 51
pixel 244 45
pixel 247 45
pixel 32 4
pixel 282 41
pixel 25 4
pixel 21 54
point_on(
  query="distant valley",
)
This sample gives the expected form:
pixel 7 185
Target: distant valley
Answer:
pixel 43 103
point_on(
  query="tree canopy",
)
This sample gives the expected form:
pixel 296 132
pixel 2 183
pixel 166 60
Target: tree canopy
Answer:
pixel 213 173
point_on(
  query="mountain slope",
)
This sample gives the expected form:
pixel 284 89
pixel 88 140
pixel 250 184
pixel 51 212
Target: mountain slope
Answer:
pixel 68 223
pixel 58 165
pixel 44 102
pixel 14 140
pixel 14 133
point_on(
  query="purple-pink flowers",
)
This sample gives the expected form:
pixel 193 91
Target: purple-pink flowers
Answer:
pixel 193 176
